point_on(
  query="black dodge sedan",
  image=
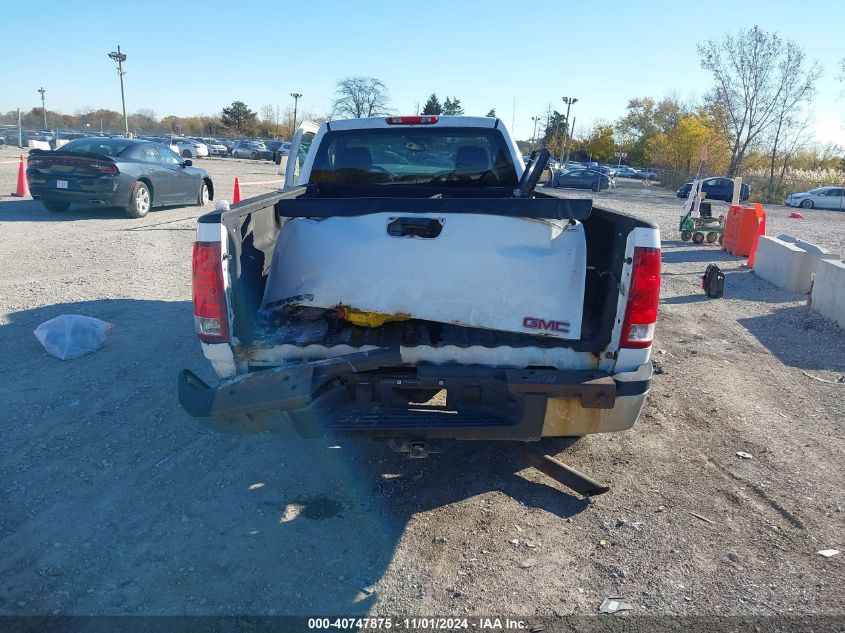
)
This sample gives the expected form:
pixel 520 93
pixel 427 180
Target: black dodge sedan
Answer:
pixel 128 173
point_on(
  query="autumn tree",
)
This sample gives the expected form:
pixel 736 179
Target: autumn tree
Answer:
pixel 357 97
pixel 432 106
pixel 600 143
pixel 238 117
pixel 680 148
pixel 644 119
pixel 753 70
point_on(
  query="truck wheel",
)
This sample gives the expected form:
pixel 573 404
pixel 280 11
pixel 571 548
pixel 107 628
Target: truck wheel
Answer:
pixel 698 237
pixel 140 202
pixel 712 236
pixel 686 236
pixel 55 206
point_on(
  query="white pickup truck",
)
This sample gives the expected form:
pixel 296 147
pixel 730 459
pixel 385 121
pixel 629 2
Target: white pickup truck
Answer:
pixel 408 283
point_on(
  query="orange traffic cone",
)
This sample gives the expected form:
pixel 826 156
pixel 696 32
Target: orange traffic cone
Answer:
pixel 236 196
pixel 23 187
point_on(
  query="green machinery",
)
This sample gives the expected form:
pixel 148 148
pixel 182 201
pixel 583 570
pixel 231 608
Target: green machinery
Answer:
pixel 697 223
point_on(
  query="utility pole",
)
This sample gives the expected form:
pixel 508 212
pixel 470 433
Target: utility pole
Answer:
pixel 534 135
pixel 568 101
pixel 296 96
pixel 571 133
pixel 120 58
pixel 43 107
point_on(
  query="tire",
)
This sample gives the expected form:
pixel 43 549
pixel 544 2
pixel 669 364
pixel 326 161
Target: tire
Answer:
pixel 721 238
pixel 186 153
pixel 711 237
pixel 698 237
pixel 141 201
pixel 277 159
pixel 806 204
pixel 595 186
pixel 55 206
pixel 202 197
pixel 253 156
pixel 686 236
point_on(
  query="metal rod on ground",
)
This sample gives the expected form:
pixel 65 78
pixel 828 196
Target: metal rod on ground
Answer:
pixel 559 471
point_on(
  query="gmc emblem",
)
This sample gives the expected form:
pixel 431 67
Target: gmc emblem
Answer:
pixel 541 324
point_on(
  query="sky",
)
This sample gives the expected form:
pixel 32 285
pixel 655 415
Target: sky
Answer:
pixel 195 57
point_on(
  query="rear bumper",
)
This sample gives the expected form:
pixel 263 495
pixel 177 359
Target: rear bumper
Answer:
pixel 368 393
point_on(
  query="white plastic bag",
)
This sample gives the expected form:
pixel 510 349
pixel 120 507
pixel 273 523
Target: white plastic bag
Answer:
pixel 72 335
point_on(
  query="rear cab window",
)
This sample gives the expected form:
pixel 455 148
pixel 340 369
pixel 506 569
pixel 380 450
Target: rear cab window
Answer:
pixel 414 156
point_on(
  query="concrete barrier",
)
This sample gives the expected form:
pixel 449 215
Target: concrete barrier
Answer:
pixel 784 264
pixel 817 253
pixel 38 145
pixel 829 291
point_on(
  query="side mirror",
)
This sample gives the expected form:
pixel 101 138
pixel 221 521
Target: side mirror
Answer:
pixel 546 175
pixel 187 163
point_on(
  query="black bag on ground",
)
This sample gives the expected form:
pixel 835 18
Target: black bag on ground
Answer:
pixel 713 282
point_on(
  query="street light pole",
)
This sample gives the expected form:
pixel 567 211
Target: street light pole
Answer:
pixel 568 101
pixel 43 107
pixel 296 96
pixel 534 135
pixel 120 58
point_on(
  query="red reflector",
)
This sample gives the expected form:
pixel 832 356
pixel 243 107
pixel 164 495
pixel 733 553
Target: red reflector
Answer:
pixel 412 120
pixel 210 313
pixel 643 298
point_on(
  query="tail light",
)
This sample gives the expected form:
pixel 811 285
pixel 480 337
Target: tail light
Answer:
pixel 104 168
pixel 643 297
pixel 412 120
pixel 34 163
pixel 210 314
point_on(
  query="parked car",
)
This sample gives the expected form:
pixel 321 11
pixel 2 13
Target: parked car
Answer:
pixel 279 150
pixel 624 171
pixel 254 150
pixel 129 173
pixel 648 172
pixel 717 189
pixel 190 148
pixel 560 349
pixel 581 179
pixel 215 147
pixel 820 198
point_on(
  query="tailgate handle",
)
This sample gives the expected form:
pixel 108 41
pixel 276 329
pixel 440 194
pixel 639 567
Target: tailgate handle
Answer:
pixel 426 228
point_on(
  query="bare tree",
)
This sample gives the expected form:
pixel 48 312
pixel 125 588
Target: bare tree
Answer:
pixel 271 115
pixel 753 71
pixel 358 97
pixel 791 98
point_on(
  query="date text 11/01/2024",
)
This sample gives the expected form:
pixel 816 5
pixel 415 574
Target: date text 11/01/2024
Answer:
pixel 418 624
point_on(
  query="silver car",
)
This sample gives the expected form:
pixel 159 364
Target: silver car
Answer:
pixel 821 198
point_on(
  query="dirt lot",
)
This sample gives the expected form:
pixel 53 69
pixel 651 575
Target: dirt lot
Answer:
pixel 115 502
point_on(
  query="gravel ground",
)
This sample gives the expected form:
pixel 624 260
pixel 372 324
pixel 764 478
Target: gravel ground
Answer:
pixel 115 502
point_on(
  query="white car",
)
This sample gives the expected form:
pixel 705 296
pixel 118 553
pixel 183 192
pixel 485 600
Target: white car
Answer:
pixel 189 148
pixel 215 147
pixel 821 198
